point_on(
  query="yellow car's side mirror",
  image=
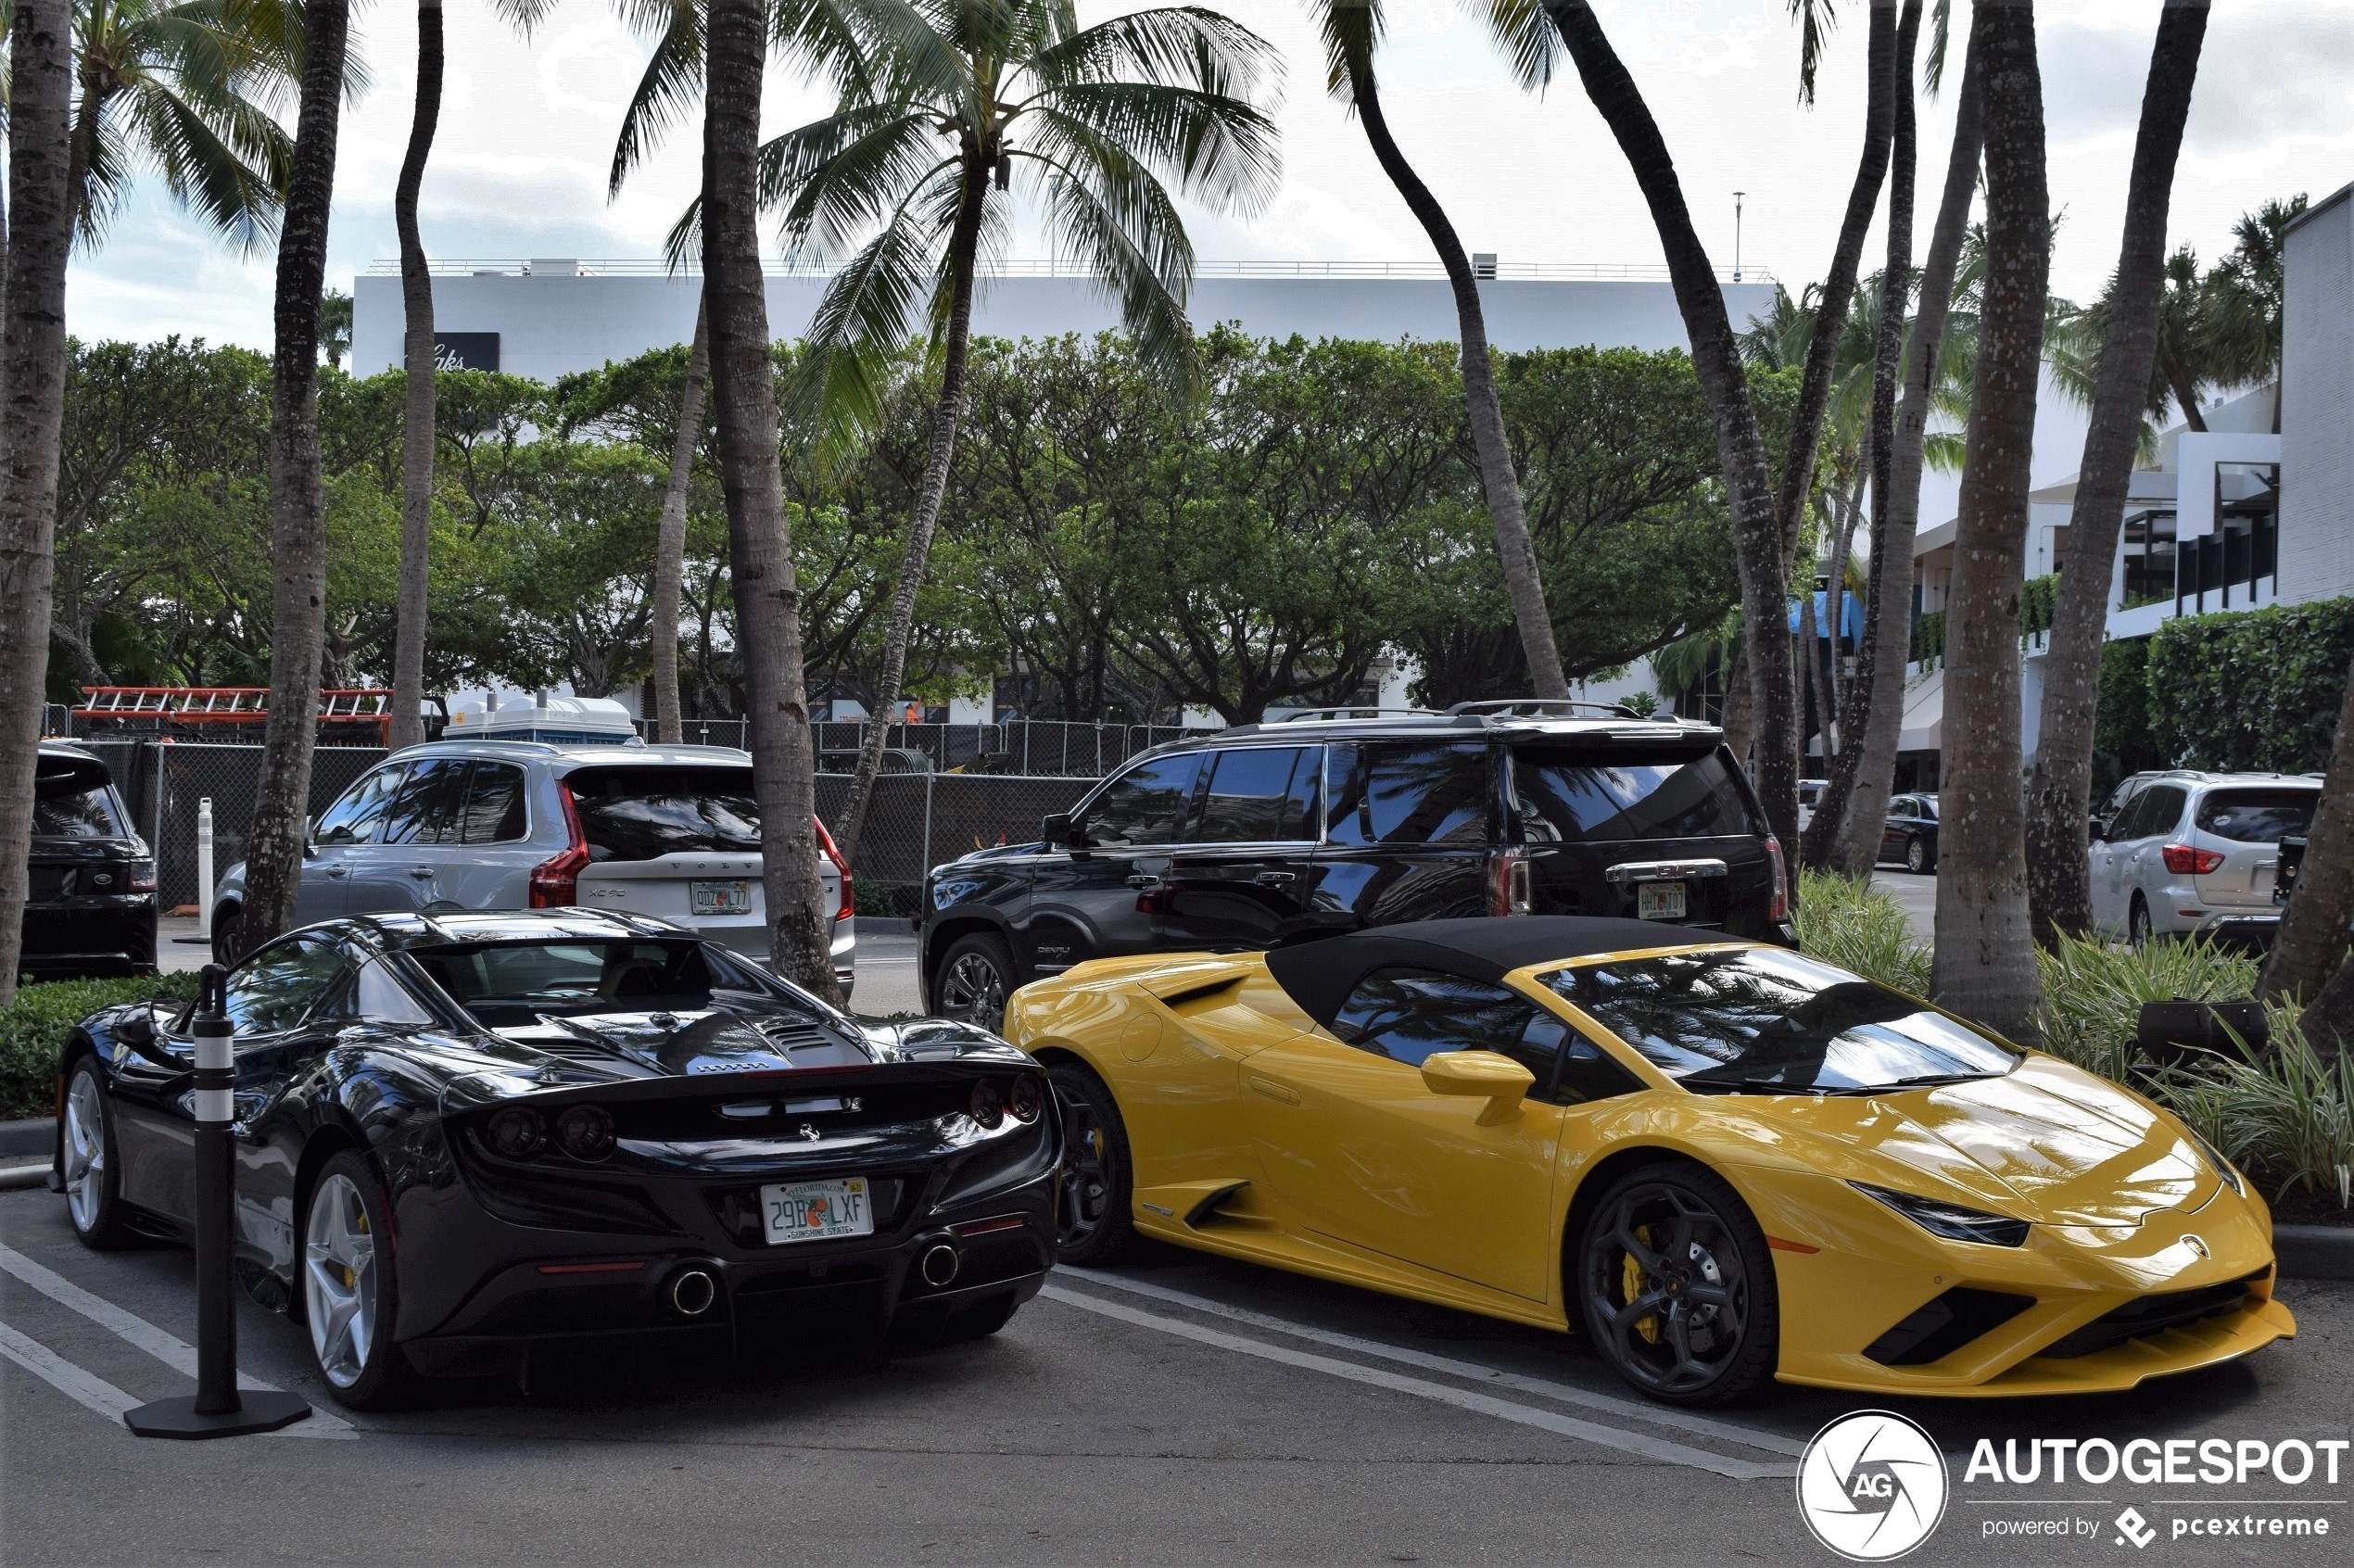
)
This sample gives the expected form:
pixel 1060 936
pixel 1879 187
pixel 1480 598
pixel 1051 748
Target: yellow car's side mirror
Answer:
pixel 1498 1079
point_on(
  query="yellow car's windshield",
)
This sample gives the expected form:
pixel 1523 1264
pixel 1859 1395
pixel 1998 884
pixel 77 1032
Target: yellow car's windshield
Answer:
pixel 1760 1021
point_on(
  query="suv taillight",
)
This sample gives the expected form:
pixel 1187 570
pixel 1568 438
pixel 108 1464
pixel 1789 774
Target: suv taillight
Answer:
pixel 1779 908
pixel 555 882
pixel 2186 861
pixel 848 888
pixel 1508 882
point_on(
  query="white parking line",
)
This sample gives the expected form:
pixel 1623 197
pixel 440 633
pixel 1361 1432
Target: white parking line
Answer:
pixel 1568 1394
pixel 64 1376
pixel 174 1352
pixel 1614 1438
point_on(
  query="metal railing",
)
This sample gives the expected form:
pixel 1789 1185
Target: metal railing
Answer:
pixel 1069 267
pixel 1023 748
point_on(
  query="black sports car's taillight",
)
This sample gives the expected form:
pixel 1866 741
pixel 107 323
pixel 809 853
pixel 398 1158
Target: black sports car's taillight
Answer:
pixel 1026 1100
pixel 585 1132
pixel 518 1132
pixel 988 1103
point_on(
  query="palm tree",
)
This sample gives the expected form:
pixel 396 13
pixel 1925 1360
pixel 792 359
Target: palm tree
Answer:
pixel 1985 961
pixel 1352 29
pixel 760 551
pixel 184 88
pixel 944 105
pixel 2060 793
pixel 2311 943
pixel 1930 358
pixel 2245 294
pixel 32 360
pixel 298 500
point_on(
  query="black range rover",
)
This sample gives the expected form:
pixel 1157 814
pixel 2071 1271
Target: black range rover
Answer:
pixel 91 909
pixel 1270 834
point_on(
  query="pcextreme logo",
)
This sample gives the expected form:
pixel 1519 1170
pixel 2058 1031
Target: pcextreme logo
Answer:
pixel 1871 1486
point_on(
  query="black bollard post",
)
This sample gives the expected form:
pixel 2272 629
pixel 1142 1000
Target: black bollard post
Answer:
pixel 218 1408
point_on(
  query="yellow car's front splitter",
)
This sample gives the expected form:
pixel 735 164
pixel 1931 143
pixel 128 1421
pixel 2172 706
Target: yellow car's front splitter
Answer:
pixel 2205 1344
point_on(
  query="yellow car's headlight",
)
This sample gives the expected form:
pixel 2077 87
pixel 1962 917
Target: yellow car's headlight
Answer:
pixel 2223 1167
pixel 1949 1219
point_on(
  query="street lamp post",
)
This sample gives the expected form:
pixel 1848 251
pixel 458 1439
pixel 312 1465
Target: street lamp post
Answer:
pixel 1737 234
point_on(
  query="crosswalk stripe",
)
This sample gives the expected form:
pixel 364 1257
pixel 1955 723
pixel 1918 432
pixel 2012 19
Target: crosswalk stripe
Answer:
pixel 1614 1438
pixel 1568 1394
pixel 63 1375
pixel 173 1351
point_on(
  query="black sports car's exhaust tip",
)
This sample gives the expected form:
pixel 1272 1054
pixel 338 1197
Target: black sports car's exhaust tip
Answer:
pixel 692 1292
pixel 939 1265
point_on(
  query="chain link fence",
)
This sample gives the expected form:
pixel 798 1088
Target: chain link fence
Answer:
pixel 918 820
pixel 1026 747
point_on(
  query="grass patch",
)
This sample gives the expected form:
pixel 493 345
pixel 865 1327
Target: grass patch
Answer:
pixel 2094 991
pixel 1847 921
pixel 35 1029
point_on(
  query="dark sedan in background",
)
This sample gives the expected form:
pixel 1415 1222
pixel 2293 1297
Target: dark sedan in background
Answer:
pixel 1910 837
pixel 90 908
pixel 582 1127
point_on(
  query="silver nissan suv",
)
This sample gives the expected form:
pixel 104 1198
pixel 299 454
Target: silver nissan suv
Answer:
pixel 2184 852
pixel 667 831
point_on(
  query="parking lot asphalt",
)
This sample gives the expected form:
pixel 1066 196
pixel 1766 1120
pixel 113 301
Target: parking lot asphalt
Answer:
pixel 1915 895
pixel 1178 1409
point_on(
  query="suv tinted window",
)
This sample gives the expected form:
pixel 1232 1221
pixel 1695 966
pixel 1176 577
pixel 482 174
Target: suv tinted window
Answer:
pixel 493 812
pixel 423 807
pixel 645 813
pixel 355 818
pixel 1410 793
pixel 2155 810
pixel 75 801
pixel 1147 805
pixel 1262 794
pixel 2257 816
pixel 1568 795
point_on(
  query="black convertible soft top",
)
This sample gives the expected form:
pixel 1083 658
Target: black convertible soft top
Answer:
pixel 1320 974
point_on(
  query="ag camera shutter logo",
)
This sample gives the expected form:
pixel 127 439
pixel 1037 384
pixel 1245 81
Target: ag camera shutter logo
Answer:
pixel 1871 1486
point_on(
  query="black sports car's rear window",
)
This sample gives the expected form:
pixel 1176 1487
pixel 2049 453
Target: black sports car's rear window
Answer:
pixel 1759 1021
pixel 511 982
pixel 645 813
pixel 74 800
pixel 1574 795
pixel 2257 817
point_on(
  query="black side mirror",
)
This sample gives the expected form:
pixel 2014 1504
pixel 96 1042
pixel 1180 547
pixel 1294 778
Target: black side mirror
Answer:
pixel 138 1032
pixel 1059 832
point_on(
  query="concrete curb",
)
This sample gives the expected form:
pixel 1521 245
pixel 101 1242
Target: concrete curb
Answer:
pixel 2314 1252
pixel 14 1176
pixel 24 1140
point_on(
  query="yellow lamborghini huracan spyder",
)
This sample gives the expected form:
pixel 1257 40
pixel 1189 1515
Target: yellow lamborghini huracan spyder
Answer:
pixel 1725 1162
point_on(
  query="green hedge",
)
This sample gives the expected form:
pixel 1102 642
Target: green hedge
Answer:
pixel 2123 742
pixel 1929 638
pixel 2036 597
pixel 2252 690
pixel 34 1029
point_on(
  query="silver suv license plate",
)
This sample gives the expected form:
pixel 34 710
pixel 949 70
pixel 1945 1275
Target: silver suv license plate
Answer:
pixel 1659 901
pixel 719 898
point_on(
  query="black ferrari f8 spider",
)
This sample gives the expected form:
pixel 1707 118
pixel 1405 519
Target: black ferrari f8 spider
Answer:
pixel 460 1136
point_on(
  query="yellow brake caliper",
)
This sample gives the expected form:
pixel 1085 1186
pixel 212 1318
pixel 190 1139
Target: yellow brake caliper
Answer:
pixel 1631 1283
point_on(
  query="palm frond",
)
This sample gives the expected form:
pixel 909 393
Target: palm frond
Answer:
pixel 864 316
pixel 1523 33
pixel 1815 18
pixel 846 172
pixel 668 90
pixel 1220 150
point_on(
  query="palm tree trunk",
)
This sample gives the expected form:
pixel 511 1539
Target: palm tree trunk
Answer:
pixel 33 359
pixel 2313 936
pixel 1825 836
pixel 1985 961
pixel 1524 582
pixel 297 498
pixel 670 544
pixel 81 140
pixel 1888 613
pixel 2059 795
pixel 760 551
pixel 1809 633
pixel 964 244
pixel 1739 707
pixel 1759 554
pixel 417 429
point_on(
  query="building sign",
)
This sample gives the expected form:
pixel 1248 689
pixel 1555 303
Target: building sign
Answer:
pixel 465 350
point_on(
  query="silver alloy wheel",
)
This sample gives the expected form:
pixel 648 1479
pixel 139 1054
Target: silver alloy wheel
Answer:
pixel 340 1281
pixel 85 1150
pixel 973 988
pixel 1915 856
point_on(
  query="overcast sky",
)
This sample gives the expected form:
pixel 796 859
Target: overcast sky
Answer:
pixel 528 128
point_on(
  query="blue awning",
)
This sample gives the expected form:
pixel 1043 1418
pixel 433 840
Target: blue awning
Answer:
pixel 1850 614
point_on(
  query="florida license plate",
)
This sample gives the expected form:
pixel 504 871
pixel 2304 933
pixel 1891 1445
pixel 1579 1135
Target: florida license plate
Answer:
pixel 1659 901
pixel 798 1211
pixel 719 898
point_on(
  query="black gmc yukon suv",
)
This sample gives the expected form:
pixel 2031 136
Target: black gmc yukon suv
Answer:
pixel 1271 834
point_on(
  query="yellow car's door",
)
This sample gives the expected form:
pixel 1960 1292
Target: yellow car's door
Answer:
pixel 1359 1149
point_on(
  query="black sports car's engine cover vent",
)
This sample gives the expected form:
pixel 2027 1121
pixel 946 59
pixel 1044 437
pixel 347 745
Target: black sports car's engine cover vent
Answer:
pixel 1939 1327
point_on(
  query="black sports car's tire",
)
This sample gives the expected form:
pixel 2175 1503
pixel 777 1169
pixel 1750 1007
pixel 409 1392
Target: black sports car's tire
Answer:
pixel 94 1179
pixel 228 936
pixel 1092 1220
pixel 350 1297
pixel 1712 1331
pixel 976 975
pixel 1918 859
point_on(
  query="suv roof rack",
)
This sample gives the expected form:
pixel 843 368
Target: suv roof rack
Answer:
pixel 1513 706
pixel 1325 715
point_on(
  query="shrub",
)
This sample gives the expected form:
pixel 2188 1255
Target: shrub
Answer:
pixel 33 1029
pixel 1847 921
pixel 2257 689
pixel 2285 1117
pixel 2094 991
